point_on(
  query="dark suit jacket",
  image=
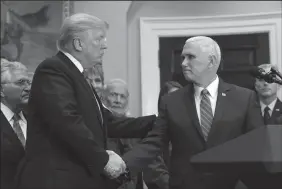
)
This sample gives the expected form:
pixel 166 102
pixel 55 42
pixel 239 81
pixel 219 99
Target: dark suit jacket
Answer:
pixel 12 152
pixel 236 113
pixel 66 138
pixel 276 116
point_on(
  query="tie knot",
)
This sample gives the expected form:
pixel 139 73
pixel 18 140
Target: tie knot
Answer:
pixel 205 92
pixel 16 117
pixel 266 109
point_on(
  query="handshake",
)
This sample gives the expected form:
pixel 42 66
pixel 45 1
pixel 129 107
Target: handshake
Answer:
pixel 115 166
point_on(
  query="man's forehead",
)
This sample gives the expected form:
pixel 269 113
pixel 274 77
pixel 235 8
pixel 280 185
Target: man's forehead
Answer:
pixel 190 48
pixel 119 88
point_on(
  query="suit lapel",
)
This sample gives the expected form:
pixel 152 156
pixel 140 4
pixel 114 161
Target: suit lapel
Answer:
pixel 221 106
pixel 83 81
pixel 277 112
pixel 9 132
pixel 191 109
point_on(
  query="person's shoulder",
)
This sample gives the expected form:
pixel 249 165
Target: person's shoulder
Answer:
pixel 239 89
pixel 53 63
pixel 178 94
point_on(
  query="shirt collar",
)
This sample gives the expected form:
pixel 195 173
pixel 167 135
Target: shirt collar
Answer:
pixel 212 88
pixel 271 105
pixel 74 61
pixel 9 114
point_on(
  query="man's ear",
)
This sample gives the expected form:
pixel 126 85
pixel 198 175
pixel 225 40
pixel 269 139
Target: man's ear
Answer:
pixel 77 44
pixel 212 61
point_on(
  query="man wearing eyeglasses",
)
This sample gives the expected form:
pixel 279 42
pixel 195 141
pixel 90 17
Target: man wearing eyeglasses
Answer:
pixel 15 86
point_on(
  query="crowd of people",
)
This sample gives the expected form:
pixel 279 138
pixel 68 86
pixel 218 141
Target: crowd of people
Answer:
pixel 65 127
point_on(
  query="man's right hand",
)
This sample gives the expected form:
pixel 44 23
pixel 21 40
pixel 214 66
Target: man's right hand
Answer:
pixel 115 166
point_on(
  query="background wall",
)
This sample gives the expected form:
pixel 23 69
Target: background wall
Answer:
pixel 114 12
pixel 123 57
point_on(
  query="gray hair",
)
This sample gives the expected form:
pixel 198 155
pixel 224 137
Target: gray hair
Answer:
pixel 112 83
pixel 78 23
pixel 7 67
pixel 207 44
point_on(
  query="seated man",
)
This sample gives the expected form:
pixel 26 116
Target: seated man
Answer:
pixel 271 106
pixel 116 98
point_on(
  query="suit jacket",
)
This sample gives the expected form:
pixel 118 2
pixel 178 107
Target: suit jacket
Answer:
pixel 12 152
pixel 236 113
pixel 66 133
pixel 276 116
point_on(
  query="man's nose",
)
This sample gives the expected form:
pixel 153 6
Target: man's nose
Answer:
pixel 184 63
pixel 27 89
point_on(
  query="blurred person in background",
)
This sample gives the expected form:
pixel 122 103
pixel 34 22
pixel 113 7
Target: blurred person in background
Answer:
pixel 116 98
pixel 270 104
pixel 95 76
pixel 15 87
pixel 169 86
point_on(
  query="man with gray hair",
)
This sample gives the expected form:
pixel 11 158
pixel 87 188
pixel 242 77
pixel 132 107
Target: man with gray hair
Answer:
pixel 68 126
pixel 206 113
pixel 15 85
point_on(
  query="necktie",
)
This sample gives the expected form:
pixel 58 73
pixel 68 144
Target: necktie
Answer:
pixel 206 113
pixel 17 128
pixel 266 115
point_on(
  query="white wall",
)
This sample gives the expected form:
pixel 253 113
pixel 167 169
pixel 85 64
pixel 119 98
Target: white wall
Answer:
pixel 178 9
pixel 114 12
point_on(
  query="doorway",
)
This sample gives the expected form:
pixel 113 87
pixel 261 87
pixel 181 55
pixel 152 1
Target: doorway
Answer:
pixel 240 53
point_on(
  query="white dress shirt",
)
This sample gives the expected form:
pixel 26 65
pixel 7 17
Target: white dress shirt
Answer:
pixel 9 116
pixel 213 91
pixel 271 107
pixel 74 61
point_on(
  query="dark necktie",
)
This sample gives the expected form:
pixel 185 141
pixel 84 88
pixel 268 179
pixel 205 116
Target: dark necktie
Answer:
pixel 266 116
pixel 206 113
pixel 17 128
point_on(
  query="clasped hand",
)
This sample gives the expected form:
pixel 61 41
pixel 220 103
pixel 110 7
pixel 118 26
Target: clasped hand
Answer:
pixel 115 166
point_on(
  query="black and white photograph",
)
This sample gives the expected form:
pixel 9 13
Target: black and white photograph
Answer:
pixel 141 95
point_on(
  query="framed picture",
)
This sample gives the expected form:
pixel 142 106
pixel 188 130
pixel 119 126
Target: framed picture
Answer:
pixel 29 29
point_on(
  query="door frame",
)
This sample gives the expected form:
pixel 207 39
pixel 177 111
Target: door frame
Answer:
pixel 152 28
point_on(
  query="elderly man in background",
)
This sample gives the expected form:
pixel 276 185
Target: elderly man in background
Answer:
pixel 116 98
pixel 203 114
pixel 68 126
pixel 270 104
pixel 15 86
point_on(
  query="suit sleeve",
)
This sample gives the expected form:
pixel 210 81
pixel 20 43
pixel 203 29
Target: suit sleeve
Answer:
pixel 150 147
pixel 157 172
pixel 128 127
pixel 254 118
pixel 54 96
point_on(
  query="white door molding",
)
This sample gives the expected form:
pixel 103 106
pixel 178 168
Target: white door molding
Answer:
pixel 153 28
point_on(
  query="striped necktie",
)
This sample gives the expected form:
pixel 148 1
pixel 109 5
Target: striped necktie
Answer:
pixel 17 128
pixel 206 113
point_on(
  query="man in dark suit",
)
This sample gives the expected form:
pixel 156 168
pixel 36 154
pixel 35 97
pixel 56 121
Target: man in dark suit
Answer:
pixel 203 114
pixel 14 94
pixel 270 104
pixel 67 123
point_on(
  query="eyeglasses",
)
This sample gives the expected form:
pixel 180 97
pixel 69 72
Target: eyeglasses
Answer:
pixel 20 82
